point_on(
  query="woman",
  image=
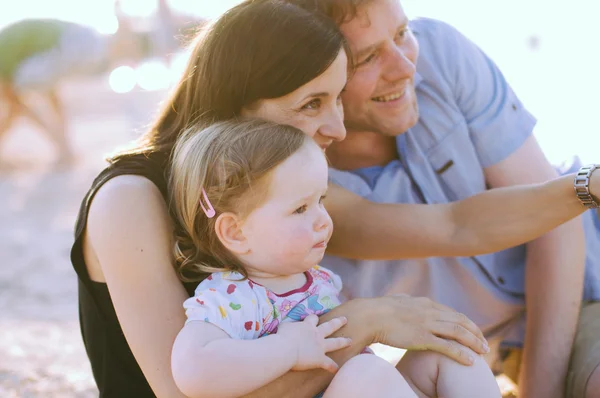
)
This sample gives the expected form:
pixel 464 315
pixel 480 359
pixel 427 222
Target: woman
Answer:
pixel 275 61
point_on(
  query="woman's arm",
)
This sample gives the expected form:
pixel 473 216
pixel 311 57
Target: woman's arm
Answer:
pixel 129 236
pixel 414 323
pixel 487 222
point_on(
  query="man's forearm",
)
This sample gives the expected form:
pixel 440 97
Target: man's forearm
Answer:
pixel 554 284
pixel 310 383
pixel 462 228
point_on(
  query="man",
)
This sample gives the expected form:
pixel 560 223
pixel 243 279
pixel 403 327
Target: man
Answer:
pixel 431 119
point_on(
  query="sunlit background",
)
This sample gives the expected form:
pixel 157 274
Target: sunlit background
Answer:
pixel 548 51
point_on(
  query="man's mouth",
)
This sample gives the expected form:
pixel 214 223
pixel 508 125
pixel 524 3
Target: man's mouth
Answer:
pixel 389 97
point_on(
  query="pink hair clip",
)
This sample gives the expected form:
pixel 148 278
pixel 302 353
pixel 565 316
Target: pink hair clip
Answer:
pixel 210 212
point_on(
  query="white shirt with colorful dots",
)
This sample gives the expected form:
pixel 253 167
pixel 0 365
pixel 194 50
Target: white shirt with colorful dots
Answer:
pixel 247 310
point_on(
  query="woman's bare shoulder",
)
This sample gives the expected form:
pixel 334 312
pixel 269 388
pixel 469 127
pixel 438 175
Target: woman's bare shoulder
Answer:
pixel 129 212
pixel 126 196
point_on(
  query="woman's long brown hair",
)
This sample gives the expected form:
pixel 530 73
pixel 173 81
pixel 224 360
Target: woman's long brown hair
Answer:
pixel 257 50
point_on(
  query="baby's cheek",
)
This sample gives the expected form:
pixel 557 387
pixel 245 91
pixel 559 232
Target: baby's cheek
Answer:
pixel 296 241
pixel 303 239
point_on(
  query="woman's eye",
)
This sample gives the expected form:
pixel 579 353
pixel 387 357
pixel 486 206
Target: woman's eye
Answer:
pixel 314 104
pixel 366 60
pixel 300 210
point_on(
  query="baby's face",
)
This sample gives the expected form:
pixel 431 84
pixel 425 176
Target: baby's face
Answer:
pixel 288 233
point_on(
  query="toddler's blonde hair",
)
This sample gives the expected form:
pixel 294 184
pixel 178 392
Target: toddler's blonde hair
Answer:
pixel 231 161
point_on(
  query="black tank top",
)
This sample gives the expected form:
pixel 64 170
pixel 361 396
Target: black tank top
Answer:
pixel 115 369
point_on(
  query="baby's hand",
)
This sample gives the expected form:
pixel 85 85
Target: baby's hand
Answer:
pixel 311 342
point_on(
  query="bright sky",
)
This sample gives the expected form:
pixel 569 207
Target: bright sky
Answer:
pixel 557 82
pixel 99 13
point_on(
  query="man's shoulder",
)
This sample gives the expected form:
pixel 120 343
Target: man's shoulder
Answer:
pixel 439 43
pixel 438 49
pixel 433 31
pixel 429 25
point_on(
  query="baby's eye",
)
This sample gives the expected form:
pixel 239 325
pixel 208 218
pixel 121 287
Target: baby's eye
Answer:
pixel 300 210
pixel 322 198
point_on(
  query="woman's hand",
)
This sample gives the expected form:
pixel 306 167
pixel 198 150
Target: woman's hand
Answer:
pixel 418 323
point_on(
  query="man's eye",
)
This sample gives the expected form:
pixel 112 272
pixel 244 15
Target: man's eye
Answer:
pixel 403 33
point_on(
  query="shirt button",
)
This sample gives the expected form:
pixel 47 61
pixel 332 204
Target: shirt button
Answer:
pixel 514 107
pixel 501 280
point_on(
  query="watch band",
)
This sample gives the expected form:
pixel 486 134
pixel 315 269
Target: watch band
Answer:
pixel 582 186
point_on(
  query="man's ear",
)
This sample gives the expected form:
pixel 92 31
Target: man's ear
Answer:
pixel 228 227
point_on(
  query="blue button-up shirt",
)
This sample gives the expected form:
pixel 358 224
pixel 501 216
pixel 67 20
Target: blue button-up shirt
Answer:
pixel 470 119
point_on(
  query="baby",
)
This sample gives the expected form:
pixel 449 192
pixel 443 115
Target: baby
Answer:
pixel 248 198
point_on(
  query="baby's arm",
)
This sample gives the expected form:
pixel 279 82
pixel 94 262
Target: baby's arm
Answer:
pixel 218 353
pixel 206 362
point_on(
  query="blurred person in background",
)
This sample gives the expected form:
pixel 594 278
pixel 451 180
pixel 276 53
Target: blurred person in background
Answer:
pixel 35 56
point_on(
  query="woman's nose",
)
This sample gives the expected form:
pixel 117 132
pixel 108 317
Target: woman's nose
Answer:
pixel 333 127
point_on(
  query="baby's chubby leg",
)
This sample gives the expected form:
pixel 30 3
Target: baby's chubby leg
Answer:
pixel 367 375
pixel 431 374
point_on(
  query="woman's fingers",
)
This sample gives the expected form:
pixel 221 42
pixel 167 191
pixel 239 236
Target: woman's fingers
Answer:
pixel 451 349
pixel 450 315
pixel 457 332
pixel 419 323
pixel 332 326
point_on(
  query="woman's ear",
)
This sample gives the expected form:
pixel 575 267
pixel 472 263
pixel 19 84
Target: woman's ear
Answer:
pixel 228 228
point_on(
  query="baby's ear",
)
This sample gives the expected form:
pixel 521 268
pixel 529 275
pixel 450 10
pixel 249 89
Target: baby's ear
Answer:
pixel 228 228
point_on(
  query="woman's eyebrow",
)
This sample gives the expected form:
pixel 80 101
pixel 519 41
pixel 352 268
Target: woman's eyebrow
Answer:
pixel 317 95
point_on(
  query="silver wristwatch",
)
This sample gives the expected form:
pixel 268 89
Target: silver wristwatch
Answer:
pixel 582 186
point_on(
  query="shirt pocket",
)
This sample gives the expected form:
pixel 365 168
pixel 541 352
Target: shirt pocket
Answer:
pixel 456 165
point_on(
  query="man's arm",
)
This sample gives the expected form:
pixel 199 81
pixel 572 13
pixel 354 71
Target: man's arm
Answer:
pixel 490 221
pixel 553 282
